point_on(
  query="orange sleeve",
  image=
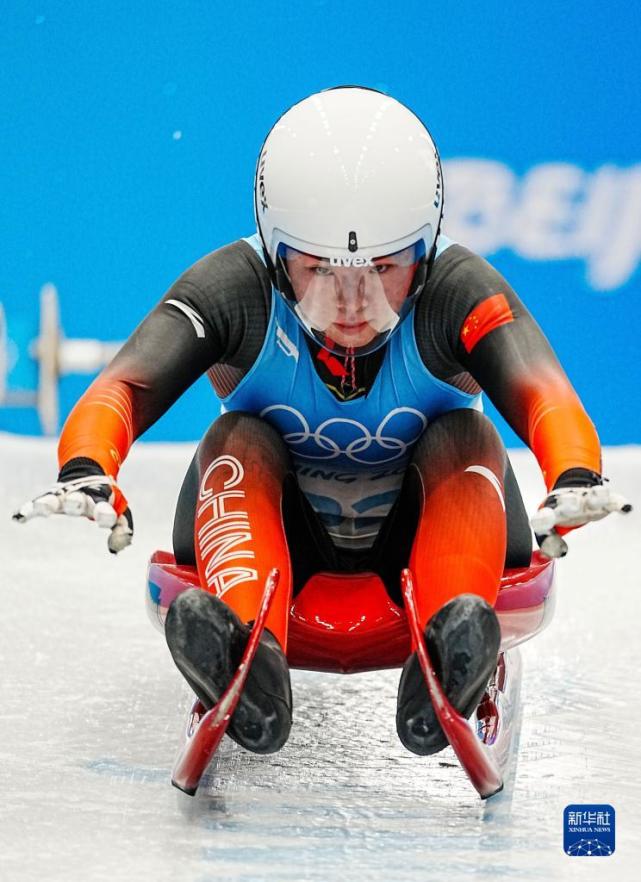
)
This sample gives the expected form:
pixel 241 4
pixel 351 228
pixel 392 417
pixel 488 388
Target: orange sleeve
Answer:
pixel 560 433
pixel 513 362
pixel 216 312
pixel 100 426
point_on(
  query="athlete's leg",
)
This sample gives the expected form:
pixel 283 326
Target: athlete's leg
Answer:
pixel 233 500
pixel 235 534
pixel 458 469
pixel 455 486
pixel 519 533
pixel 230 508
pixel 396 541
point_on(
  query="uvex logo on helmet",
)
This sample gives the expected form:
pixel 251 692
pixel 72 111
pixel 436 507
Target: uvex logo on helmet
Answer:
pixel 261 181
pixel 351 261
pixel 439 183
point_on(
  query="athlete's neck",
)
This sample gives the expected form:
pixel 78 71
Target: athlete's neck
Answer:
pixel 346 376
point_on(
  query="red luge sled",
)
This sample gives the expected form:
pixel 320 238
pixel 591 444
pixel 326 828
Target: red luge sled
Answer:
pixel 347 624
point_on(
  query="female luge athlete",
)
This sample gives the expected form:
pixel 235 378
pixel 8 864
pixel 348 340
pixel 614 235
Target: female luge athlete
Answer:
pixel 349 341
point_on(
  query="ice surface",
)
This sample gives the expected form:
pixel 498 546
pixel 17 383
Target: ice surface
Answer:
pixel 92 711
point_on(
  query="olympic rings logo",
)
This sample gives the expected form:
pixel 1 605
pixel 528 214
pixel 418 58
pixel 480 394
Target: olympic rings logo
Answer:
pixel 409 422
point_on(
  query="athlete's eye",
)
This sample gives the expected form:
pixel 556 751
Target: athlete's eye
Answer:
pixel 380 268
pixel 322 271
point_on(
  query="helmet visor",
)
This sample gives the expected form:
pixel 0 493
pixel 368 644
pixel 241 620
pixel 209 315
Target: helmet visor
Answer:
pixel 351 303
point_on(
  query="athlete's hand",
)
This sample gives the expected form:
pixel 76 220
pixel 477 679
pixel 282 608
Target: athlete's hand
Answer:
pixel 92 495
pixel 569 507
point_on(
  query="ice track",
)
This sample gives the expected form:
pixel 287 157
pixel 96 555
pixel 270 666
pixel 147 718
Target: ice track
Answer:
pixel 92 710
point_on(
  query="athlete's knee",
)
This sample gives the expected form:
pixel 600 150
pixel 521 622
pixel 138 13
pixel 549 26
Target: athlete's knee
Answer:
pixel 454 442
pixel 460 438
pixel 235 424
pixel 463 428
pixel 248 437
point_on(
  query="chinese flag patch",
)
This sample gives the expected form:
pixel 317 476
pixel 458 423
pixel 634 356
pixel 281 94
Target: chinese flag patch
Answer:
pixel 489 314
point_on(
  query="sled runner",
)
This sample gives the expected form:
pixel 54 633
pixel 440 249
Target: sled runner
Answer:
pixel 347 623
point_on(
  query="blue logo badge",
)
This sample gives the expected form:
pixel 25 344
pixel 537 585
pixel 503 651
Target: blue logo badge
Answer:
pixel 588 830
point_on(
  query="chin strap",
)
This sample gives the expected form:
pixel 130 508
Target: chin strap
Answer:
pixel 345 371
pixel 349 370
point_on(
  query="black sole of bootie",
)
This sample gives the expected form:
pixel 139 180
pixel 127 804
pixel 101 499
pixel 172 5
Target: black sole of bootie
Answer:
pixel 206 640
pixel 463 640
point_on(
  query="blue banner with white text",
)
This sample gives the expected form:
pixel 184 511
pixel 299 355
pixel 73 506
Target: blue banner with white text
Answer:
pixel 132 131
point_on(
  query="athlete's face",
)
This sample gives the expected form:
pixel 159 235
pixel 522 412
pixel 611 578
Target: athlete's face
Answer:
pixel 351 305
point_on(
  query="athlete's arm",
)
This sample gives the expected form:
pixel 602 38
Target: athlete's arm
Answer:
pixel 217 312
pixel 470 322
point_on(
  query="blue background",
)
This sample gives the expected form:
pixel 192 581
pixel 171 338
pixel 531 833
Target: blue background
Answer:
pixel 130 134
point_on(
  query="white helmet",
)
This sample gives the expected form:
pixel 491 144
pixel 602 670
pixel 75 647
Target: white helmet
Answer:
pixel 350 178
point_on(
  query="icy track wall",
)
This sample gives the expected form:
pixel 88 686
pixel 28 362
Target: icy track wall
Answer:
pixel 126 166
